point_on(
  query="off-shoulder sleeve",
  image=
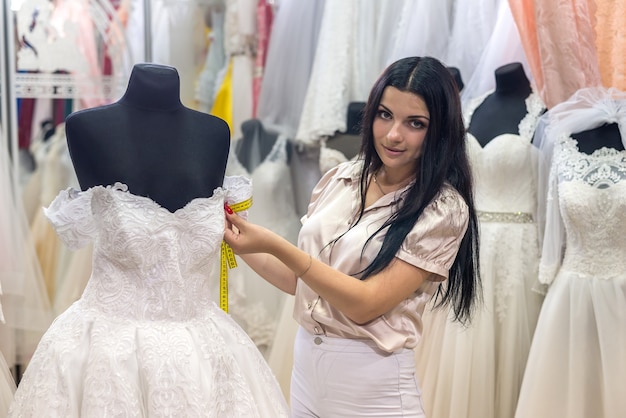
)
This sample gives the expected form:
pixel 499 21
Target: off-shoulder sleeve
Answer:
pixel 238 192
pixel 434 241
pixel 71 216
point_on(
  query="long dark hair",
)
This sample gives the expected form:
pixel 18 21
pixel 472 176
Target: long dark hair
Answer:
pixel 444 160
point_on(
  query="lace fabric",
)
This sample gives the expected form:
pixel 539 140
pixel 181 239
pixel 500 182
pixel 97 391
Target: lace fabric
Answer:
pixel 351 52
pixel 145 339
pixel 587 109
pixel 580 334
pixel 526 127
pixel 559 39
pixel 611 42
pixel 588 188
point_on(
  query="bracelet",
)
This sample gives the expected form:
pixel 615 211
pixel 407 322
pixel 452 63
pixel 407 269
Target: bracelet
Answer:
pixel 307 267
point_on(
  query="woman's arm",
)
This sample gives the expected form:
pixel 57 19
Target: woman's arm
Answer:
pixel 272 270
pixel 360 300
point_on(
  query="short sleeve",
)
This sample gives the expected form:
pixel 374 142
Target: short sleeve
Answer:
pixel 71 216
pixel 434 241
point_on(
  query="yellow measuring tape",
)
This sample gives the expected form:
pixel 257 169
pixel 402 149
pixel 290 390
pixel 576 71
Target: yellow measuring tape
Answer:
pixel 228 258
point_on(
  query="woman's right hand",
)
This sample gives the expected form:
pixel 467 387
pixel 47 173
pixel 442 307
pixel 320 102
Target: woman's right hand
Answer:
pixel 245 237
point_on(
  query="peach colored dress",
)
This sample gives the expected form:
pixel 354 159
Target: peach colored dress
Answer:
pixel 558 38
pixel 611 42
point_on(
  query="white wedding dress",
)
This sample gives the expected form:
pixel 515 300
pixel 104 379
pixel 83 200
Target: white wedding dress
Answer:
pixel 273 206
pixel 577 364
pixel 7 387
pixel 476 372
pixel 145 338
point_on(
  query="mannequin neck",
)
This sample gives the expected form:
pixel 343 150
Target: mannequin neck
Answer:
pixel 153 87
pixel 511 80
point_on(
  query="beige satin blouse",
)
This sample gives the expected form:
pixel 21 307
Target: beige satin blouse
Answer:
pixel 431 245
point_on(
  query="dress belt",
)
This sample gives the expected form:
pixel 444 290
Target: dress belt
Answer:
pixel 505 217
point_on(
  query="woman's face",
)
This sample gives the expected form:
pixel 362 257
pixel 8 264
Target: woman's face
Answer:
pixel 399 129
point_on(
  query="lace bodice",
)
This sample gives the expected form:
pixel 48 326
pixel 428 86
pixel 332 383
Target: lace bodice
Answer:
pixel 591 192
pixel 142 251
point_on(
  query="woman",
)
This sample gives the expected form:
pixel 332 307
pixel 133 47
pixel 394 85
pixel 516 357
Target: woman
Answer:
pixel 380 236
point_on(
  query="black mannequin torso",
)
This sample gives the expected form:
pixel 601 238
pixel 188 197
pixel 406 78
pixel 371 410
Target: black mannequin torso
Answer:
pixel 149 141
pixel 255 144
pixel 456 74
pixel 607 135
pixel 502 111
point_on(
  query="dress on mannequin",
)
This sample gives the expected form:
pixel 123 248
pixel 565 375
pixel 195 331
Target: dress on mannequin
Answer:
pixel 576 364
pixel 476 372
pixel 7 385
pixel 345 67
pixel 26 308
pixel 293 39
pixel 263 156
pixel 215 61
pixel 54 172
pixel 145 338
pixel 501 110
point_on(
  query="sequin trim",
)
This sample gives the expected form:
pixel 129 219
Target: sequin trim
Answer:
pixel 506 217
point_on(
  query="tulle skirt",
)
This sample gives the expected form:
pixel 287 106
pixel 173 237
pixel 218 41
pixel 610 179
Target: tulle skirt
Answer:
pixel 577 364
pixel 92 364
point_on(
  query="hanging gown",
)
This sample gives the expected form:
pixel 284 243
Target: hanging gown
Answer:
pixel 424 29
pixel 348 59
pixel 54 172
pixel 611 42
pixel 207 84
pixel 25 304
pixel 503 47
pixel 145 339
pixel 177 30
pixel 274 208
pixel 239 45
pixel 7 385
pixel 559 41
pixel 293 39
pixel 577 364
pixel 472 24
pixel 476 372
